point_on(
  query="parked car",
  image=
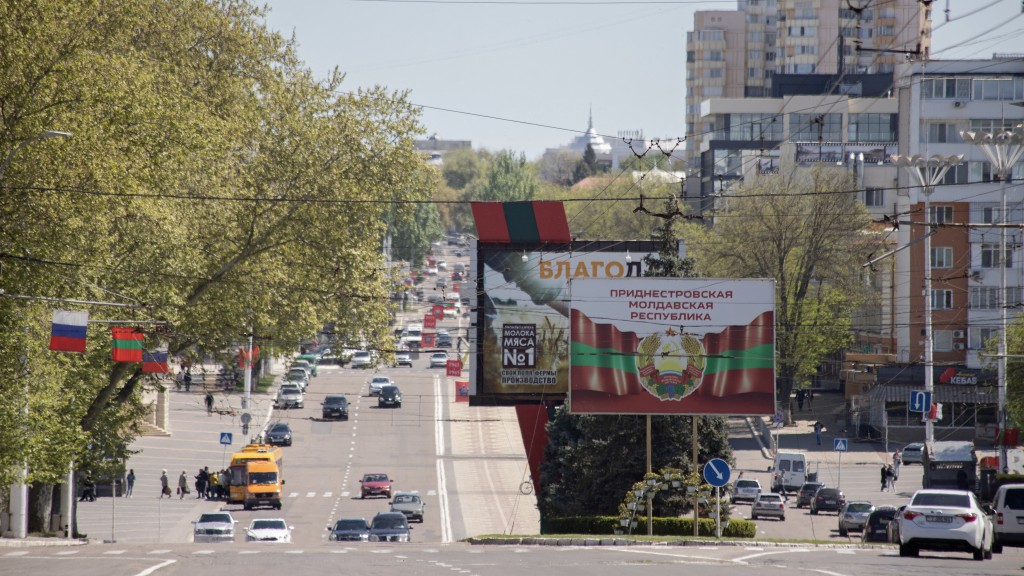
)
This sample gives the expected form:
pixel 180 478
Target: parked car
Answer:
pixel 362 359
pixel 335 406
pixel 410 504
pixel 768 504
pixel 806 493
pixel 350 530
pixel 912 453
pixel 389 396
pixel 854 515
pixel 746 489
pixel 379 382
pixel 214 527
pixel 945 520
pixel 390 527
pixel 403 359
pixel 279 434
pixel 827 500
pixel 876 529
pixel 439 360
pixel 290 396
pixel 375 484
pixel 893 529
pixel 269 530
pixel 1008 521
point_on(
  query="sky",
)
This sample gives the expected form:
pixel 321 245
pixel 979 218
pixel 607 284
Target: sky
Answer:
pixel 524 75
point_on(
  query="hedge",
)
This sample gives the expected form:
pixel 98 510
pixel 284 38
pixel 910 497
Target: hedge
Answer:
pixel 606 525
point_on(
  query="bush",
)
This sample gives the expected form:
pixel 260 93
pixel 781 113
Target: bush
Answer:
pixel 606 525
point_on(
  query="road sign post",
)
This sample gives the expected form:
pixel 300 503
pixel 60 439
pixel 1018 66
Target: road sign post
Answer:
pixel 717 473
pixel 840 445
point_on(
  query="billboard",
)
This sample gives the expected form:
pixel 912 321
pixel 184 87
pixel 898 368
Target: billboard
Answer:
pixel 672 346
pixel 521 332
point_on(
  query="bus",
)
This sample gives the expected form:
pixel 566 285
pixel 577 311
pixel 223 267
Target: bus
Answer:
pixel 239 474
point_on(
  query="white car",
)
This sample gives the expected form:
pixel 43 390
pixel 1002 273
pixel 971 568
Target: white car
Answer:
pixel 379 382
pixel 746 489
pixel 269 530
pixel 442 265
pixel 768 504
pixel 290 396
pixel 438 359
pixel 945 520
pixel 214 527
pixel 362 359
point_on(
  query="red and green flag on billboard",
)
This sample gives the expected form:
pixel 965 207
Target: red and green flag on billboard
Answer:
pixel 127 346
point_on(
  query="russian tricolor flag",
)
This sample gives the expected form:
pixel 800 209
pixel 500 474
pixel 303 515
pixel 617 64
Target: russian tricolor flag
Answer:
pixel 69 330
pixel 155 362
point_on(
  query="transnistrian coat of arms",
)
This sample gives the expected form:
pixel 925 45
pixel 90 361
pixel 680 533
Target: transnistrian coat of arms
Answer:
pixel 670 364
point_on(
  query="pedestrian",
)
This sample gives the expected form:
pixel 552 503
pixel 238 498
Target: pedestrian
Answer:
pixel 891 476
pixel 214 489
pixel 209 403
pixel 885 477
pixel 810 398
pixel 200 484
pixel 801 394
pixel 165 488
pixel 818 426
pixel 188 381
pixel 129 483
pixel 896 461
pixel 88 488
pixel 182 485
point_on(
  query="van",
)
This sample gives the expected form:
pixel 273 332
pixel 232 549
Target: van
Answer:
pixel 789 471
pixel 263 484
pixel 1008 520
pixel 238 492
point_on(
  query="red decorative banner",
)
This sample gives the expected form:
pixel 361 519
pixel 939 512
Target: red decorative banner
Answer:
pixel 462 390
pixel 429 321
pixel 454 368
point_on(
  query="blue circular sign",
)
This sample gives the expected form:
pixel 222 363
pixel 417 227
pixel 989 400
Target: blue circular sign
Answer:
pixel 716 472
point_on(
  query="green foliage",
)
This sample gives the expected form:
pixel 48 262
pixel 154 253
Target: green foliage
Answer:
pixel 587 165
pixel 509 179
pixel 607 525
pixel 668 236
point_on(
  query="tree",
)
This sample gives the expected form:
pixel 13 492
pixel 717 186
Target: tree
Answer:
pixel 557 166
pixel 807 231
pixel 587 166
pixel 509 178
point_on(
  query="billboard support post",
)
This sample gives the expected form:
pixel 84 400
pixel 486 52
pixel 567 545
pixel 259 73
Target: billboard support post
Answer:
pixel 650 495
pixel 696 493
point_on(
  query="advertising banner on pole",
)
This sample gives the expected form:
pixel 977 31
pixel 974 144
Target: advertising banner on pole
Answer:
pixel 672 346
pixel 462 390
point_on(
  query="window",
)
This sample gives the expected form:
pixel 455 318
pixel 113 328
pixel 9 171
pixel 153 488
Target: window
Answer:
pixel 710 35
pixel 714 55
pixel 886 31
pixel 983 298
pixel 940 214
pixel 940 133
pixel 753 126
pixel 990 256
pixel 978 336
pixel 999 89
pixel 806 50
pixel 942 299
pixel 712 72
pixel 755 55
pixel 990 215
pixel 942 340
pixel 942 257
pixel 992 124
pixel 946 88
pixel 872 128
pixel 874 197
pixel 753 72
pixel 806 127
pixel 956 175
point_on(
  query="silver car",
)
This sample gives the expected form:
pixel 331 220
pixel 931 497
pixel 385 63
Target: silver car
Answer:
pixel 854 515
pixel 214 527
pixel 912 453
pixel 410 504
pixel 768 504
pixel 290 396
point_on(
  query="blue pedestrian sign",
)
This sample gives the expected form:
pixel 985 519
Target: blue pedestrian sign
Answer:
pixel 716 472
pixel 840 445
pixel 225 438
pixel 920 401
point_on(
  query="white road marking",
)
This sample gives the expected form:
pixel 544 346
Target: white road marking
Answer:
pixel 402 557
pixel 156 567
pixel 294 551
pixel 828 573
pixel 382 551
pixel 671 554
pixel 18 553
pixel 115 552
pixel 432 493
pixel 310 494
pixel 198 552
pixel 442 486
pixel 248 551
pixel 345 494
pixel 743 559
pixel 328 494
pixel 293 495
pixel 845 552
pixel 339 551
pixel 67 553
pixel 160 551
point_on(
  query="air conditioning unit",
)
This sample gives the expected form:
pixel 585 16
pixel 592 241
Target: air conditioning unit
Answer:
pixel 958 334
pixel 959 345
pixel 976 275
pixel 959 104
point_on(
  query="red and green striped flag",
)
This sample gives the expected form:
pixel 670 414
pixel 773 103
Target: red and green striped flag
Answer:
pixel 521 222
pixel 127 345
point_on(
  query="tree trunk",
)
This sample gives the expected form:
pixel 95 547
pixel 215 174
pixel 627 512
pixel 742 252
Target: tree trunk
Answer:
pixel 40 507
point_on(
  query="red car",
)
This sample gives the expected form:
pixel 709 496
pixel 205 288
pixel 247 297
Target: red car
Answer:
pixel 376 485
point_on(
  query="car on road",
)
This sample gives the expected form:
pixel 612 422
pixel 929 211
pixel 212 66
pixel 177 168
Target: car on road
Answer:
pixel 390 527
pixel 912 453
pixel 1008 509
pixel 854 515
pixel 375 484
pixel 297 376
pixel 290 396
pixel 305 365
pixel 806 493
pixel 214 527
pixel 377 383
pixel 269 530
pixel 403 359
pixel 893 529
pixel 390 396
pixel 410 504
pixel 876 529
pixel 746 489
pixel 768 504
pixel 350 530
pixel 442 265
pixel 827 500
pixel 279 434
pixel 438 359
pixel 362 359
pixel 335 406
pixel 443 340
pixel 947 521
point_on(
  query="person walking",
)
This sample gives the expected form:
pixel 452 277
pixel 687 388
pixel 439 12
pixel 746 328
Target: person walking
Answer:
pixel 200 484
pixel 188 381
pixel 165 488
pixel 896 461
pixel 891 476
pixel 209 403
pixel 818 426
pixel 214 489
pixel 885 477
pixel 88 489
pixel 801 394
pixel 129 483
pixel 182 485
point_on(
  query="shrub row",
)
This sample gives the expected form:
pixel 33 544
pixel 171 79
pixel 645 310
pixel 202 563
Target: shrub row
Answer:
pixel 606 525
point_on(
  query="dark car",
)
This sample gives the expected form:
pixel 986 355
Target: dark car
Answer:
pixel 350 530
pixel 876 529
pixel 335 407
pixel 390 396
pixel 443 341
pixel 827 500
pixel 279 433
pixel 390 527
pixel 893 529
pixel 806 493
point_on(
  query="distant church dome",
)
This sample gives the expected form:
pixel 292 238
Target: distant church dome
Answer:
pixel 595 140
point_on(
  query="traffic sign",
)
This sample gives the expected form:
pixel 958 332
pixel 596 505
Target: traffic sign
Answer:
pixel 225 438
pixel 716 472
pixel 246 418
pixel 840 445
pixel 920 401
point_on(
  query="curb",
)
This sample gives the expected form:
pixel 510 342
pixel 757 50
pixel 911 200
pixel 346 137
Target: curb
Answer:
pixel 541 541
pixel 42 542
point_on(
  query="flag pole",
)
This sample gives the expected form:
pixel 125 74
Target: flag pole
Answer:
pixel 247 366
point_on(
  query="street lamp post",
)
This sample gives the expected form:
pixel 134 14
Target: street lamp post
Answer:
pixel 928 172
pixel 1003 150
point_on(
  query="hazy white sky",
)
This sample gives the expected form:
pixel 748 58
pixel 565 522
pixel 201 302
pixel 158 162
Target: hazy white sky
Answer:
pixel 522 75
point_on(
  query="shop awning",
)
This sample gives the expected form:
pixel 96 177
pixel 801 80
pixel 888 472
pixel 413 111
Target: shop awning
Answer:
pixel 943 393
